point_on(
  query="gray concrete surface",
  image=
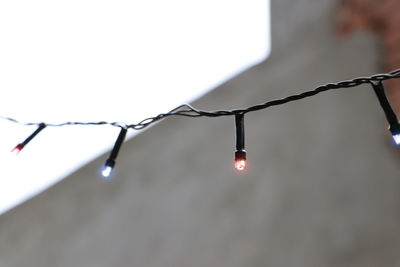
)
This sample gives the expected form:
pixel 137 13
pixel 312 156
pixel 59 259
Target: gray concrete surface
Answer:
pixel 322 188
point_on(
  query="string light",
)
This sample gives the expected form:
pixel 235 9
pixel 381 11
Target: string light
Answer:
pixel 240 153
pixel 20 146
pixel 110 163
pixel 186 110
pixel 394 126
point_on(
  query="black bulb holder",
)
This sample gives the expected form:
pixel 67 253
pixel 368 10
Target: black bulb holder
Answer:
pixel 114 152
pixel 110 163
pixel 379 89
pixel 20 146
pixel 240 153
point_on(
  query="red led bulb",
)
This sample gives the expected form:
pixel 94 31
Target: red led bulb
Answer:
pixel 20 146
pixel 240 165
pixel 240 154
pixel 17 149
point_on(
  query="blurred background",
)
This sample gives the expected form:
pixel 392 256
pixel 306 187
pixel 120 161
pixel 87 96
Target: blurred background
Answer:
pixel 322 185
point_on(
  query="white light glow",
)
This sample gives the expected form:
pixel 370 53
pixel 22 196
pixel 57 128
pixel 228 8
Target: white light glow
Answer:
pixel 119 60
pixel 396 139
pixel 106 172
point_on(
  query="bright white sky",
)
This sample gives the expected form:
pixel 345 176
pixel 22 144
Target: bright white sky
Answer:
pixel 120 60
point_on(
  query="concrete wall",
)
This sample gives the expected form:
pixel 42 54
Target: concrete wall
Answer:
pixel 322 188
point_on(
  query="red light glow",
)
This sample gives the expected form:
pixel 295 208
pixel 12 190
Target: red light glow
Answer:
pixel 17 149
pixel 240 165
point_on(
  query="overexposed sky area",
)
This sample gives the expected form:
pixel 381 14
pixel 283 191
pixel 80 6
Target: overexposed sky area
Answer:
pixel 87 60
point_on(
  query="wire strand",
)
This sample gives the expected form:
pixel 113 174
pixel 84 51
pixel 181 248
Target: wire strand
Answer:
pixel 187 110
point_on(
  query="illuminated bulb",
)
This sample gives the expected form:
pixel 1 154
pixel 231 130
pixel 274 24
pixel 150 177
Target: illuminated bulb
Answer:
pixel 394 125
pixel 110 163
pixel 394 129
pixel 106 172
pixel 17 149
pixel 396 138
pixel 108 168
pixel 20 146
pixel 240 153
pixel 240 165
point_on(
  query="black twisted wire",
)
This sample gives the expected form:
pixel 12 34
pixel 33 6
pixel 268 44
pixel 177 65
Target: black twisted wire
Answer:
pixel 187 110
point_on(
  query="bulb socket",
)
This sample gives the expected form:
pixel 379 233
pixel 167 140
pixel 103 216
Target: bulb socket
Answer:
pixel 240 155
pixel 394 128
pixel 110 163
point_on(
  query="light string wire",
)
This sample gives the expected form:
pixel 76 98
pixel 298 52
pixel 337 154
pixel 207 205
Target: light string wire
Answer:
pixel 187 110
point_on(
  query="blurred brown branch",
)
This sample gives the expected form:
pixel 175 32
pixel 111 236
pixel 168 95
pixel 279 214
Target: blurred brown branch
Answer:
pixel 382 18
